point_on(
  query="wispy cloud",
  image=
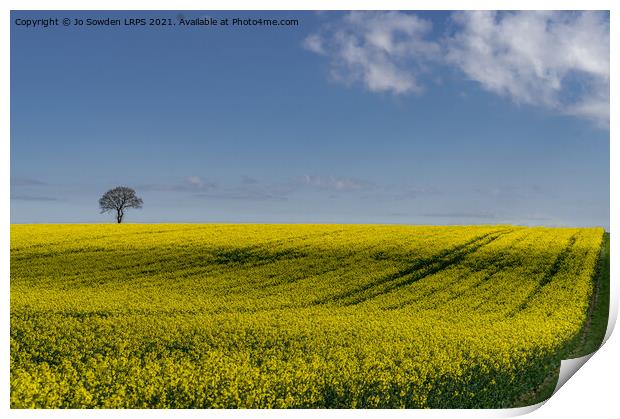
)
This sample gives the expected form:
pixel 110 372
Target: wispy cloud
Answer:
pixel 33 198
pixel 334 183
pixel 411 192
pixel 243 194
pixel 557 60
pixel 331 186
pixel 190 184
pixel 553 60
pixel 511 192
pixel 162 187
pixel 385 51
pixel 406 192
pixel 460 215
pixel 251 189
pixel 23 181
pixel 248 180
pixel 196 182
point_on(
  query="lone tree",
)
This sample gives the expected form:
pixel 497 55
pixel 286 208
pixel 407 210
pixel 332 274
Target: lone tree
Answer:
pixel 119 199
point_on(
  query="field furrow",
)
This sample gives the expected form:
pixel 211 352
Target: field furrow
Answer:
pixel 296 316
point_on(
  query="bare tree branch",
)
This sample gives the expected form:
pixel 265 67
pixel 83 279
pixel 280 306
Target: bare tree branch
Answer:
pixel 119 199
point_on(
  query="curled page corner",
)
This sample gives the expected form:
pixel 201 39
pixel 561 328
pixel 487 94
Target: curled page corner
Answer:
pixel 569 367
pixel 611 323
pixel 519 411
pixel 613 313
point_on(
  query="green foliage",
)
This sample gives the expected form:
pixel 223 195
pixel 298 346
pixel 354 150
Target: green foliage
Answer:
pixel 293 316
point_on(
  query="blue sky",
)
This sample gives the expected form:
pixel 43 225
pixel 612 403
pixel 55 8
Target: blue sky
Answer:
pixel 389 117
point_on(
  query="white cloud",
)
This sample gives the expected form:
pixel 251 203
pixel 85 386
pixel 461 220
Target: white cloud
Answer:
pixel 382 50
pixel 314 43
pixel 557 60
pixel 190 184
pixel 22 181
pixel 341 184
pixel 196 182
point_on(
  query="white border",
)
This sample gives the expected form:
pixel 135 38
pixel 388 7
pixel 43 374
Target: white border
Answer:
pixel 592 392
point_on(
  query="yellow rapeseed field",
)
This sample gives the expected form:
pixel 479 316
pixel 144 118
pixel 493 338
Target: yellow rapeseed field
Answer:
pixel 219 316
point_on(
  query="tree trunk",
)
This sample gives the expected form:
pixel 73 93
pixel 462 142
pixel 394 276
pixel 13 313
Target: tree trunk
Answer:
pixel 119 216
